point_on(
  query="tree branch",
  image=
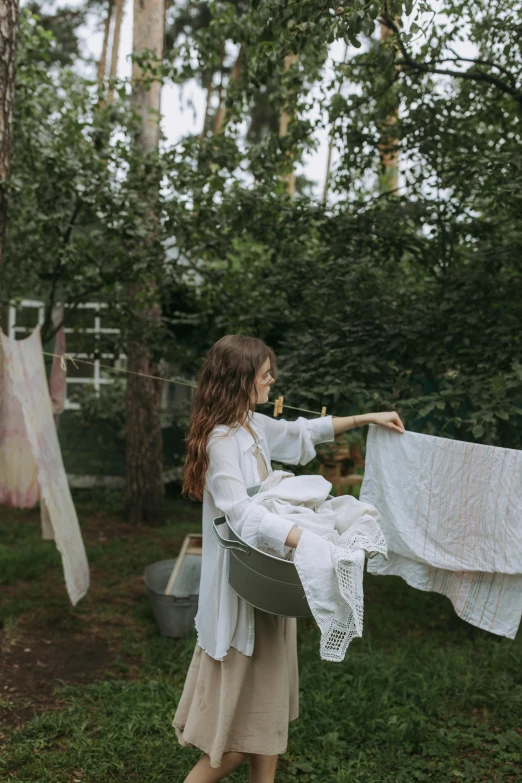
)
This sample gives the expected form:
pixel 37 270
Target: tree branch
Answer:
pixel 491 64
pixel 423 67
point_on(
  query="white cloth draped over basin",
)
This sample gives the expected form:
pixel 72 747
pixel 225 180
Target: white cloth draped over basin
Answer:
pixel 337 534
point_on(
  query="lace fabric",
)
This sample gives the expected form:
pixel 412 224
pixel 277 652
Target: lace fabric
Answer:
pixel 332 576
pixel 347 622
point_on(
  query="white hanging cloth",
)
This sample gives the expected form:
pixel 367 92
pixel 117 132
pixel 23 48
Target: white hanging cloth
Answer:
pixel 58 392
pixel 31 466
pixel 452 516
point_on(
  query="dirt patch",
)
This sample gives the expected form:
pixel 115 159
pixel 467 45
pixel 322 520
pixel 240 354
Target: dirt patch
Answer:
pixel 45 642
pixel 33 663
pixel 52 643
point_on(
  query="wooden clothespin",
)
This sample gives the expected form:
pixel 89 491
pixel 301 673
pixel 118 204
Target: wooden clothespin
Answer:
pixel 323 410
pixel 278 407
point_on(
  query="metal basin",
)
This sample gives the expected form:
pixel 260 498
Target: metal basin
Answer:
pixel 266 582
pixel 174 614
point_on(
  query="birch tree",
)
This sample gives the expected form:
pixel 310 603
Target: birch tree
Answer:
pixel 118 18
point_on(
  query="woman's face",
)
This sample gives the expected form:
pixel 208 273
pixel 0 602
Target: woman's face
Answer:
pixel 264 381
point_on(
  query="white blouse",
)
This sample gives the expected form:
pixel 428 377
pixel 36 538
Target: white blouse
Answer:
pixel 224 619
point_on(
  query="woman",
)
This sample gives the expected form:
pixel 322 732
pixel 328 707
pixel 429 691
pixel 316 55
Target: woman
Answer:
pixel 241 689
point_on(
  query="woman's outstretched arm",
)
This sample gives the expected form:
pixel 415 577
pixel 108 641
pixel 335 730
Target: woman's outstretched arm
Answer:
pixel 341 424
pixel 390 419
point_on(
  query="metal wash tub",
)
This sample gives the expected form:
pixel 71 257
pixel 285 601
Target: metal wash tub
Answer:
pixel 266 582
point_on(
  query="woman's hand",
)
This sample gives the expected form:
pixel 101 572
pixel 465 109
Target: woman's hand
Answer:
pixel 390 420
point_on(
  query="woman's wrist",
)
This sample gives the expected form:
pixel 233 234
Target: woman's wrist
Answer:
pixel 364 418
pixel 344 423
pixel 293 537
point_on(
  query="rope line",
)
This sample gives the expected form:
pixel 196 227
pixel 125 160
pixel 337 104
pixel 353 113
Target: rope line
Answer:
pixel 65 356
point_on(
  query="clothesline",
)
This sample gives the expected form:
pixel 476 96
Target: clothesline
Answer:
pixel 278 403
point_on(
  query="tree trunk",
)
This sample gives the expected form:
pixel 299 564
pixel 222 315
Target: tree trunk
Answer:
pixel 102 65
pixel 9 13
pixel 328 166
pixel 284 122
pixel 118 16
pixel 148 33
pixel 389 146
pixel 210 90
pixel 331 138
pixel 221 113
pixel 144 490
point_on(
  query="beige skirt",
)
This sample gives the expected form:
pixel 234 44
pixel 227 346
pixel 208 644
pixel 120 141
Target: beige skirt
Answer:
pixel 242 703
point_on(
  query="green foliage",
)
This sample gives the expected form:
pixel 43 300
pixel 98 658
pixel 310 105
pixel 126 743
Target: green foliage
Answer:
pixel 106 408
pixel 375 300
pixel 379 300
pixel 423 696
pixel 62 23
pixel 78 190
pixel 28 561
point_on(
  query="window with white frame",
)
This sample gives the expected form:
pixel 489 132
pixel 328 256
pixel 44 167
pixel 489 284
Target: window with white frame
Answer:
pixel 88 337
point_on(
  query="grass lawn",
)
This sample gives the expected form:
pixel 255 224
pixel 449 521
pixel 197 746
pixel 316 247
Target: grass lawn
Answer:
pixel 88 694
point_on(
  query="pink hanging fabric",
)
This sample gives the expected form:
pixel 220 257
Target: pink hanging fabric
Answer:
pixel 19 485
pixel 31 466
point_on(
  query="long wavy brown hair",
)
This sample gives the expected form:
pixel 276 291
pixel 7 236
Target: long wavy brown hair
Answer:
pixel 226 387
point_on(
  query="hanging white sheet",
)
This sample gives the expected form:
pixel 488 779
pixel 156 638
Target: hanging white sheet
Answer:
pixel 452 516
pixel 31 466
